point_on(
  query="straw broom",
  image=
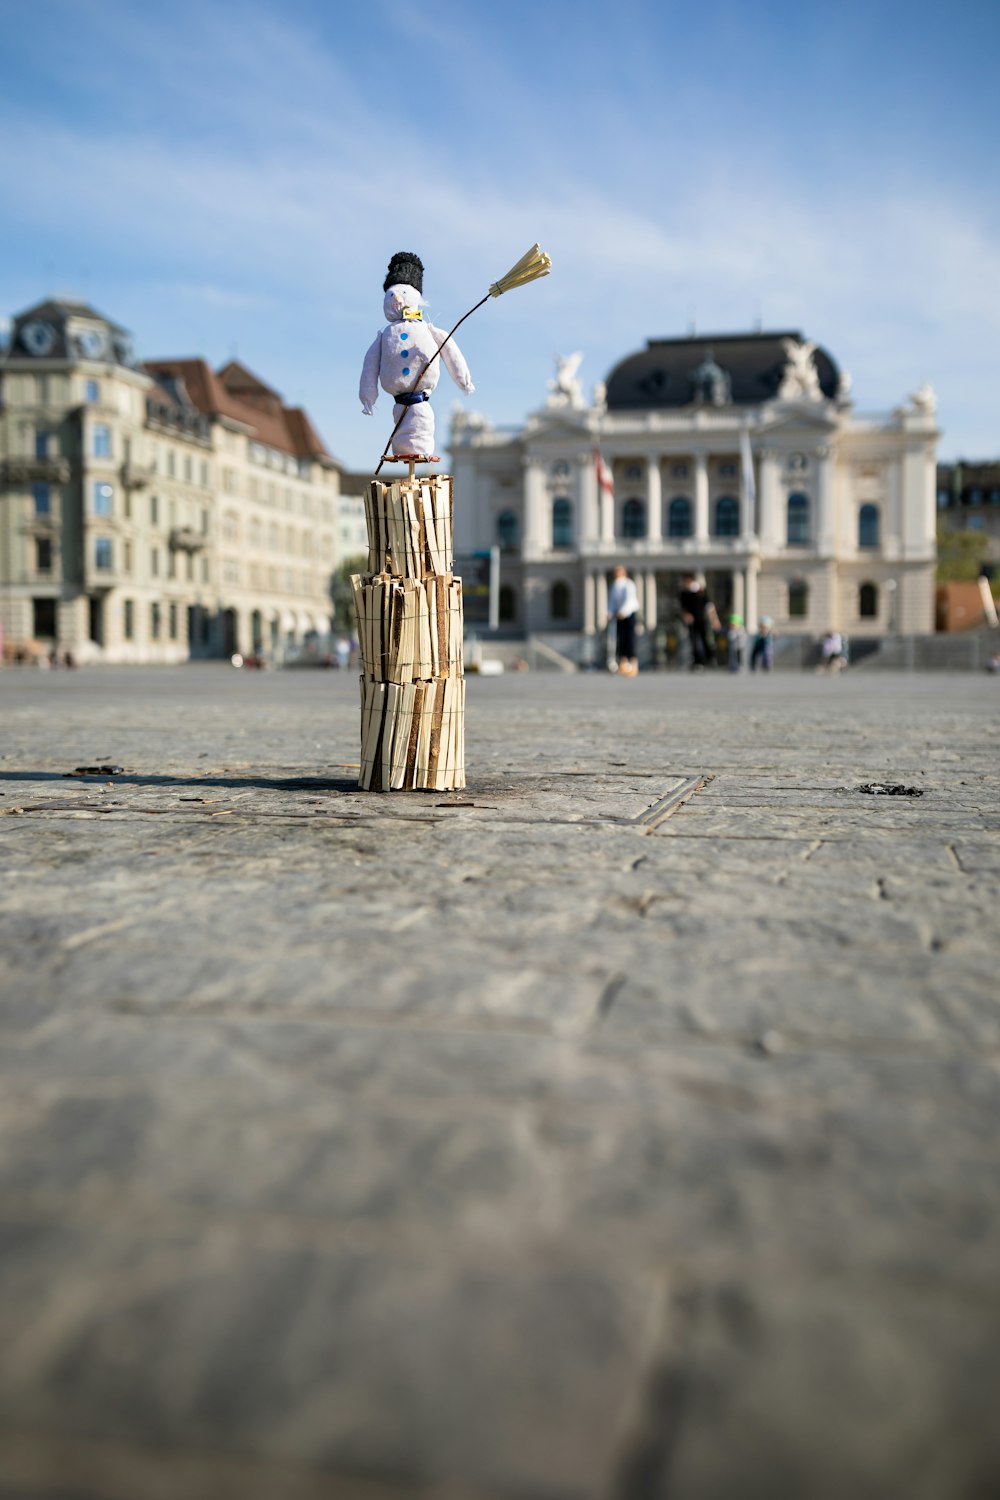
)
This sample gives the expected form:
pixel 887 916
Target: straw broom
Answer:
pixel 533 264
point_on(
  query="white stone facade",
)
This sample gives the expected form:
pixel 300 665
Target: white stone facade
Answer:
pixel 835 530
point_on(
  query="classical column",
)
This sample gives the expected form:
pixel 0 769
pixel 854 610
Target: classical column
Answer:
pixel 750 613
pixel 654 498
pixel 537 522
pixel 701 500
pixel 649 609
pixel 587 499
pixel 589 604
pixel 601 581
pixel 739 593
pixel 824 504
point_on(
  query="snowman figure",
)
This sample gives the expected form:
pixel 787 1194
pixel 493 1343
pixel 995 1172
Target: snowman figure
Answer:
pixel 400 359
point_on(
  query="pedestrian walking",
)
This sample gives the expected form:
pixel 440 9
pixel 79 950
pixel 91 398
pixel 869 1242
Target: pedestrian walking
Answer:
pixel 701 618
pixel 762 652
pixel 736 640
pixel 623 607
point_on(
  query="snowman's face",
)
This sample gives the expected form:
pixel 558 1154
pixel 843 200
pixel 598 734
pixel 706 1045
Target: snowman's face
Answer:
pixel 397 298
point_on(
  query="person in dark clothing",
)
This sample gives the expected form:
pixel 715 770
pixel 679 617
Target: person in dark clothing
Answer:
pixel 700 616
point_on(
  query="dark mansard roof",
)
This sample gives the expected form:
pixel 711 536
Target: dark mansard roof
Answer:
pixel 666 372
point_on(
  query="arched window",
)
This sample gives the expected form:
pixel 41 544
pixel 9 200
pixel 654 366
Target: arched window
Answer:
pixel 798 599
pixel 868 601
pixel 562 522
pixel 633 519
pixel 507 529
pixel 727 516
pixel 507 603
pixel 798 520
pixel 559 601
pixel 679 516
pixel 868 526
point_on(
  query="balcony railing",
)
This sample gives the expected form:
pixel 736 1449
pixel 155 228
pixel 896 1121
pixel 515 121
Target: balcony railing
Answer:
pixel 184 539
pixel 18 471
pixel 136 476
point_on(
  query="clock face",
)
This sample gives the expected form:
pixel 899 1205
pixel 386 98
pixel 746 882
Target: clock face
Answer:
pixel 92 342
pixel 38 338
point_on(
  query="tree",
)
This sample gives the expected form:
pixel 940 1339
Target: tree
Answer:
pixel 342 595
pixel 961 554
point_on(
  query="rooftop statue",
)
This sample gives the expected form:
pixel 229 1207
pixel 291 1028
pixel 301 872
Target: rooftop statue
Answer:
pixel 800 378
pixel 566 390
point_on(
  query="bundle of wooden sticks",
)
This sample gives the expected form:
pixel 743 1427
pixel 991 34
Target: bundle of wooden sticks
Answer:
pixel 410 627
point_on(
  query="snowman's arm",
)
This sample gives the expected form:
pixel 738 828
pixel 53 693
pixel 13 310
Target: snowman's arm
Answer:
pixel 453 360
pixel 368 389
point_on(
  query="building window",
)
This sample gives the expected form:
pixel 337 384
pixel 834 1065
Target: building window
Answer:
pixel 128 619
pixel 798 599
pixel 560 601
pixel 633 519
pixel 679 516
pixel 172 618
pixel 154 510
pixel 171 463
pixel 679 471
pixel 727 516
pixel 102 553
pixel 798 520
pixel 634 471
pixel 154 620
pixel 43 554
pixel 41 445
pixel 943 499
pixel 204 523
pixel 562 522
pixel 995 497
pixel 868 601
pixel 101 441
pixel 43 619
pixel 507 603
pixel 973 497
pixel 103 496
pixel 507 529
pixel 727 470
pixel 42 496
pixel 560 470
pixel 154 561
pixel 868 526
pixel 127 557
pixel 976 523
pixel 92 392
pixel 187 468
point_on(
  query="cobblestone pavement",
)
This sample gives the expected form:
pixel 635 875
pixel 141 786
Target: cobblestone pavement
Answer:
pixel 624 1127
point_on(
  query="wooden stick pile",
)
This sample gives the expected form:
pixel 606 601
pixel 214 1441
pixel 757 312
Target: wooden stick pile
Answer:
pixel 410 627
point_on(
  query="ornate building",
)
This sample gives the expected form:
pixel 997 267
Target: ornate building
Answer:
pixel 153 512
pixel 737 457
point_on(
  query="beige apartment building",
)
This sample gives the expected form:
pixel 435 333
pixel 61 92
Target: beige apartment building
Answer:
pixel 154 512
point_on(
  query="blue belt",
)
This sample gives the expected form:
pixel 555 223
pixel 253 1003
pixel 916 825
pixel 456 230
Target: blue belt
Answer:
pixel 411 398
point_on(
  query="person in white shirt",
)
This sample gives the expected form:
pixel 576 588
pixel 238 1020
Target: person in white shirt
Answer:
pixel 623 607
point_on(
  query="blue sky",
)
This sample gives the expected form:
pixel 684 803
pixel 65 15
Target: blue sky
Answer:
pixel 232 178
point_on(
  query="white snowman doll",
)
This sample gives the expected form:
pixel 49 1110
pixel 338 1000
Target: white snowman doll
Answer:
pixel 400 359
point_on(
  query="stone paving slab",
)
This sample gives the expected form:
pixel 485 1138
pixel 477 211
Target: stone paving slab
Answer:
pixel 624 1126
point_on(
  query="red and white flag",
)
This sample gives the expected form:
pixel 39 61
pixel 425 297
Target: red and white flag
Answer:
pixel 604 478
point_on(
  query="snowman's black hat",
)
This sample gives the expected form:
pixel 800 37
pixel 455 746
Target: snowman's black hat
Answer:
pixel 405 268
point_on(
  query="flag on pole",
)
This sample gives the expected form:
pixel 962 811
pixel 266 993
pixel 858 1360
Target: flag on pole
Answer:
pixel 604 476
